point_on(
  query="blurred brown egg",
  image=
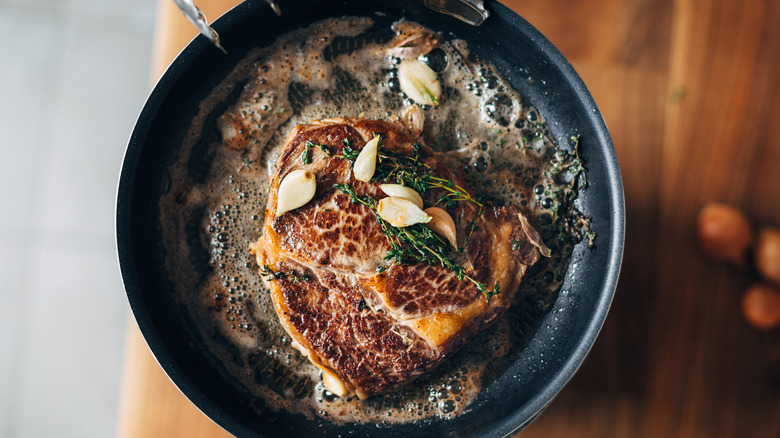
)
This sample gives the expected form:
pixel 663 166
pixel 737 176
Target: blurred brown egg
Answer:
pixel 761 306
pixel 724 232
pixel 767 254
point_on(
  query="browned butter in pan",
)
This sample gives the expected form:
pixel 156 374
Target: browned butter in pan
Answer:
pixel 219 181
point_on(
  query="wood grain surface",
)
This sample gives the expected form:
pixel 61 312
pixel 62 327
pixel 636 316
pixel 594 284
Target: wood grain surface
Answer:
pixel 690 92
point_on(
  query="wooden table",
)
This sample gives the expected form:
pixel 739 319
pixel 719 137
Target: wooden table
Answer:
pixel 690 90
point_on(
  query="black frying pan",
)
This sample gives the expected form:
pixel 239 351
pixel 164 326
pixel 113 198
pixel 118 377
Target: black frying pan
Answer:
pixel 518 393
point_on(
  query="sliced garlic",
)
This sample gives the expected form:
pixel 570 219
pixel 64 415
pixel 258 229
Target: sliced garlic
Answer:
pixel 413 46
pixel 401 212
pixel 365 163
pixel 295 190
pixel 533 235
pixel 413 118
pixel 419 82
pixel 442 223
pixel 400 191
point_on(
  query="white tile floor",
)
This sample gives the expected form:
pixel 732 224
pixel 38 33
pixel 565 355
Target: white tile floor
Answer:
pixel 73 77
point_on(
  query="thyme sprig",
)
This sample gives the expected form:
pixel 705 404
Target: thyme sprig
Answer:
pixel 292 275
pixel 417 243
pixel 412 172
pixel 472 227
pixel 347 153
pixel 367 200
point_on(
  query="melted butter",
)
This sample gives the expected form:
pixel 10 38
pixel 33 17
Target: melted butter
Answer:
pixel 210 220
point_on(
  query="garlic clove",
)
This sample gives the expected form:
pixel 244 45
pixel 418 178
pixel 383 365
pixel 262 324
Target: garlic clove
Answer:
pixel 419 82
pixel 365 163
pixel 400 191
pixel 442 223
pixel 401 212
pixel 295 190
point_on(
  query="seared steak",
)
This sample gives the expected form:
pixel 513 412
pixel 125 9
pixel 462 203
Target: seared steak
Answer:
pixel 371 324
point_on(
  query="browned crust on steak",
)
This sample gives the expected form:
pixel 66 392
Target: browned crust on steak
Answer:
pixel 376 331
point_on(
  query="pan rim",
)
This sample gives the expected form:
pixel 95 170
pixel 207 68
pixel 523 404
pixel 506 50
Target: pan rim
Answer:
pixel 125 244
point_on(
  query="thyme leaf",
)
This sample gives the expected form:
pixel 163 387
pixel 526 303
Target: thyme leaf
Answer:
pixel 306 154
pixel 488 294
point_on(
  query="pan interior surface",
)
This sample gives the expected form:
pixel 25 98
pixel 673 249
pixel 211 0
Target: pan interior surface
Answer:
pixel 554 348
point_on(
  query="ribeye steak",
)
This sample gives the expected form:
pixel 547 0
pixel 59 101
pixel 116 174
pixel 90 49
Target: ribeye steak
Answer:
pixel 368 323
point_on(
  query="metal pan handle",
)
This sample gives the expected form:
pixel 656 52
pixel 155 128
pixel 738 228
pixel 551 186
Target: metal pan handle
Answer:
pixel 470 11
